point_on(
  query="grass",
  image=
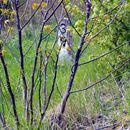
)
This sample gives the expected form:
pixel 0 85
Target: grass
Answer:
pixel 87 103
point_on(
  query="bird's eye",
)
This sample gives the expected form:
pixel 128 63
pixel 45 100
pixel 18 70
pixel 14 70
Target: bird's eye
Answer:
pixel 63 44
pixel 65 40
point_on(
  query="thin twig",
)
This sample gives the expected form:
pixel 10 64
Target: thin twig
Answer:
pixel 104 54
pixel 75 67
pixel 109 23
pixel 52 90
pixel 36 57
pixel 116 69
pixel 25 88
pixel 40 80
pixel 67 14
pixel 10 91
pixel 31 16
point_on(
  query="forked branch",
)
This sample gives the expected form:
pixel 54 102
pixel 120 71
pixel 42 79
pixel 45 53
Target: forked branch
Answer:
pixel 77 56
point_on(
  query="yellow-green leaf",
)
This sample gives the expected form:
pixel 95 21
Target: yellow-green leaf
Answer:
pixel 3 52
pixel 5 1
pixel 47 28
pixel 35 5
pixel 44 4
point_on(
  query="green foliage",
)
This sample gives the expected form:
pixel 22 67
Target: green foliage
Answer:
pixel 100 99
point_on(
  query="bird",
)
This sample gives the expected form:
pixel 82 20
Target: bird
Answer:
pixel 64 42
pixel 65 53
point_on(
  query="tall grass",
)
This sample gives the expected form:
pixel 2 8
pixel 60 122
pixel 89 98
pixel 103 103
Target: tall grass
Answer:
pixel 103 98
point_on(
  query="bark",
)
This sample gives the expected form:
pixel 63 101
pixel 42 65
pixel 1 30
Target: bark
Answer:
pixel 25 89
pixel 75 67
pixel 10 90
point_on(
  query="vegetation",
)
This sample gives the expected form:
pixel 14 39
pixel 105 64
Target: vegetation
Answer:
pixel 91 92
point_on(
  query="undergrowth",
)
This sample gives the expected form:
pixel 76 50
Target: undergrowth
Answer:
pixel 105 99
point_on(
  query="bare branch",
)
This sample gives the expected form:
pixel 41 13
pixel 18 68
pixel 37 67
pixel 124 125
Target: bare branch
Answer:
pixel 75 67
pixel 102 55
pixel 67 14
pixel 31 16
pixel 40 80
pixel 25 93
pixel 52 90
pixel 116 69
pixel 36 57
pixel 10 90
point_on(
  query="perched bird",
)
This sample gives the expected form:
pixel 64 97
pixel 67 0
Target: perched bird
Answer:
pixel 64 42
pixel 65 52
